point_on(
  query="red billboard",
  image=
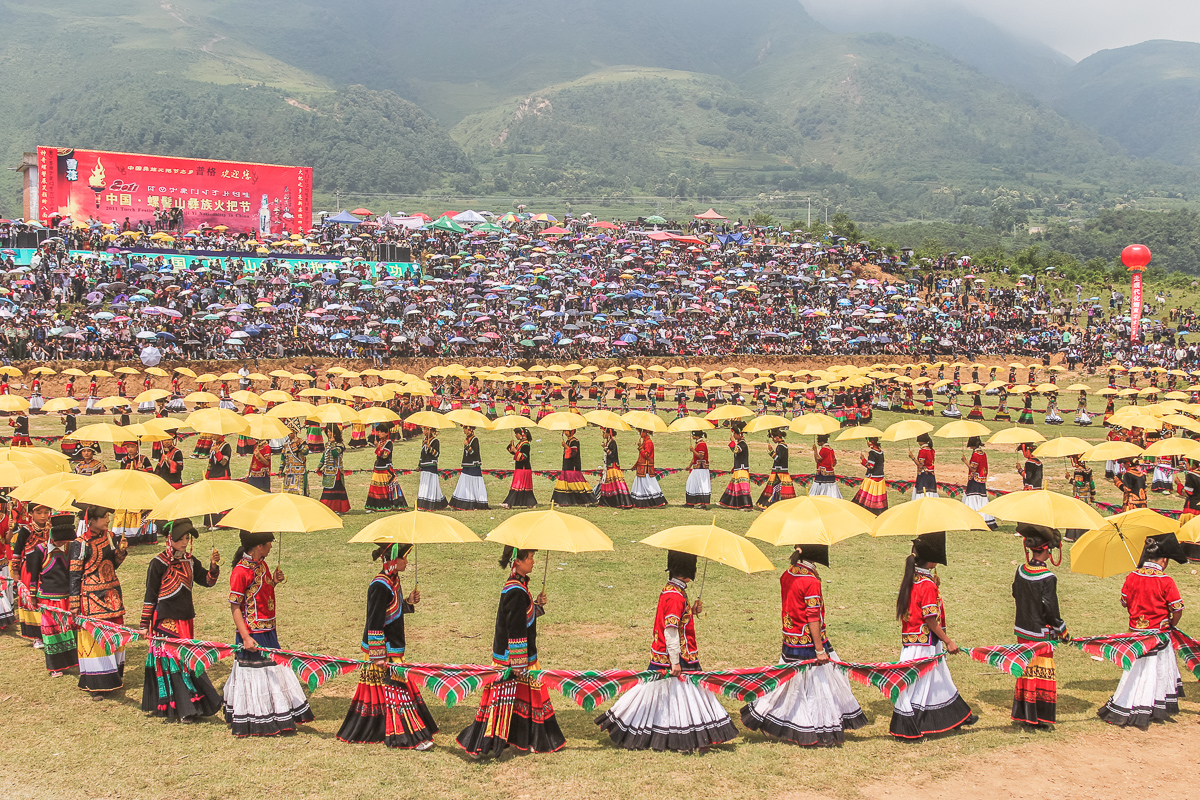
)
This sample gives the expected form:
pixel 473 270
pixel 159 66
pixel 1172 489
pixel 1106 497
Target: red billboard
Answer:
pixel 245 197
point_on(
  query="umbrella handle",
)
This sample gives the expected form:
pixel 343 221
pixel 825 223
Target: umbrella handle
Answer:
pixel 546 572
pixel 416 580
pixel 703 575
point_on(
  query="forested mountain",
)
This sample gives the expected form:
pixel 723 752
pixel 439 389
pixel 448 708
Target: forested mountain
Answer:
pixel 596 98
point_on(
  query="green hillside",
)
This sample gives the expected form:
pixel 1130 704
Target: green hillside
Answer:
pixel 1147 97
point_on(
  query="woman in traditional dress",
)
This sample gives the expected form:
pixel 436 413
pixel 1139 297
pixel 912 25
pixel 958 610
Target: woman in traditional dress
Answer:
pixel 737 492
pixel 1031 470
pixel 470 493
pixel 816 707
pixel 333 473
pixel 1026 416
pixel 1035 591
pixel 824 482
pixel 33 532
pixel 313 437
pixel 613 491
pixel 518 711
pixel 520 491
pixel 127 523
pixel 926 481
pixel 779 485
pixel 260 697
pixel 1131 481
pixel 387 708
pixel 20 425
pixel 49 569
pixel 1002 413
pixel 872 495
pixel 384 493
pixel 259 473
pixel 1150 688
pixel 1052 415
pixel 571 488
pixel 931 704
pixel 975 497
pixel 96 593
pixel 698 490
pixel 170 689
pixel 293 463
pixel 1082 417
pixel 429 489
pixel 646 492
pixel 93 398
pixel 36 401
pixel 976 412
pixel 951 410
pixel 204 441
pixel 671 714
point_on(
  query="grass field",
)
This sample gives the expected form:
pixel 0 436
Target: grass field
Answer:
pixel 599 616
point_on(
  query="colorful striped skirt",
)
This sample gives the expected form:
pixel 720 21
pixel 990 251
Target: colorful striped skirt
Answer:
pixel 333 493
pixel 169 689
pixel 572 489
pixel 99 669
pixel 520 491
pixel 614 492
pixel 58 641
pixel 1035 698
pixel 516 712
pixel 737 492
pixel 779 487
pixel 384 493
pixel 387 710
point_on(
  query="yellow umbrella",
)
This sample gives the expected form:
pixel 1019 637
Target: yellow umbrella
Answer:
pixel 728 412
pixel 151 395
pixel 766 422
pixel 201 397
pixel 563 421
pixel 961 429
pixel 29 491
pixel 607 419
pixel 48 460
pixel 1016 436
pixel 375 416
pixel 928 515
pixel 712 544
pixel 102 432
pixel 1112 451
pixel 430 419
pixel 1062 446
pixel 14 473
pixel 550 530
pixel 151 433
pixel 859 432
pixel 469 418
pixel 1042 507
pixel 811 520
pixel 124 488
pixel 511 421
pixel 1115 546
pixel 202 498
pixel 127 371
pixel 260 426
pixel 293 408
pixel 57 498
pixel 418 528
pixel 645 421
pixel 281 512
pixel 276 396
pixel 13 402
pixel 217 421
pixel 1171 447
pixel 60 404
pixel 688 424
pixel 905 429
pixel 335 413
pixel 807 424
pixel 247 398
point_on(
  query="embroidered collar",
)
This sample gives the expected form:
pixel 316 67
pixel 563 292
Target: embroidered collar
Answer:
pixel 679 584
pixel 1150 565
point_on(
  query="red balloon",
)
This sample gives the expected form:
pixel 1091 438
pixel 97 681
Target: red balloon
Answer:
pixel 1135 256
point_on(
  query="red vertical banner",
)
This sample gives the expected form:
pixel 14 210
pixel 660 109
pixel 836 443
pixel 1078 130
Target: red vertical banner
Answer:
pixel 1135 306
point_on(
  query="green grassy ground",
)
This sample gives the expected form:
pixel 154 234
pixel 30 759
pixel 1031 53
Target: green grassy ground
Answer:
pixel 600 616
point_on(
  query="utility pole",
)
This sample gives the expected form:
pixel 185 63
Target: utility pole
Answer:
pixel 809 211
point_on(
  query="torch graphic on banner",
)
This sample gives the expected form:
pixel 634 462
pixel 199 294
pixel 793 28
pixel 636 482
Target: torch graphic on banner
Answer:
pixel 96 181
pixel 1135 257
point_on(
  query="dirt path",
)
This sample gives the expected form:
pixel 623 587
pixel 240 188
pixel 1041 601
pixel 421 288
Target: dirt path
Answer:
pixel 1159 762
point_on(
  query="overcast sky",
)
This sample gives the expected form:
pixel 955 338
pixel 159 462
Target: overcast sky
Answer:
pixel 1077 28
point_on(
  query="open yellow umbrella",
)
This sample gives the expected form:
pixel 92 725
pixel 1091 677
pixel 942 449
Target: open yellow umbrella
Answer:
pixel 928 515
pixel 276 396
pixel 1062 446
pixel 607 419
pixel 905 429
pixel 1173 446
pixel 13 402
pixel 858 432
pixel 335 413
pixel 1112 451
pixel 151 395
pixel 29 491
pixel 808 424
pixel 375 416
pixel 689 424
pixel 15 473
pixel 247 398
pixel 260 426
pixel 203 498
pixel 469 418
pixel 291 409
pixel 728 412
pixel 217 421
pixel 1115 546
pixel 563 421
pixel 149 433
pixel 811 520
pixel 60 404
pixel 124 488
pixel 767 422
pixel 102 432
pixel 430 419
pixel 418 528
pixel 645 421
pixel 1042 507
pixel 201 397
pixel 59 499
pixel 961 429
pixel 510 421
pixel 281 512
pixel 712 544
pixel 1016 436
pixel 550 530
pixel 48 460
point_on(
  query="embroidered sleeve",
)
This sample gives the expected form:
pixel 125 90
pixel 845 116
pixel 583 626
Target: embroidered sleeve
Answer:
pixel 239 581
pixel 1173 598
pixel 925 596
